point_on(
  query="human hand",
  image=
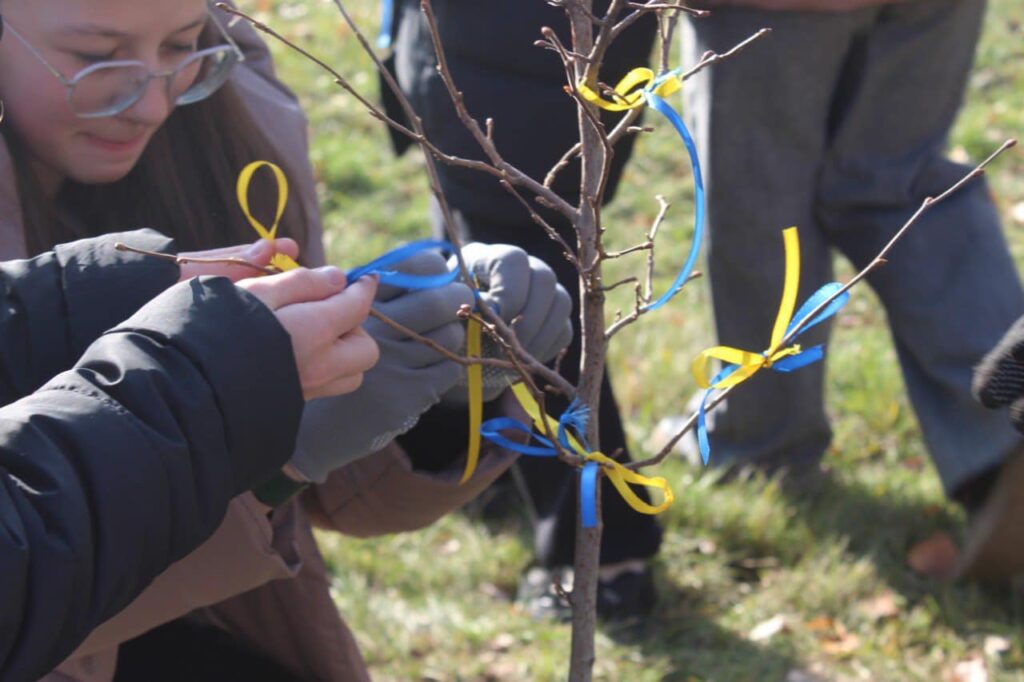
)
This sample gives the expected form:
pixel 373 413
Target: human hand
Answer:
pixel 999 379
pixel 525 292
pixel 407 381
pixel 323 318
pixel 258 253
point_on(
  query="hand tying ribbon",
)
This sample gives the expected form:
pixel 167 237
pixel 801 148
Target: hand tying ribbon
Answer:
pixel 575 417
pixel 639 88
pixel 380 267
pixel 740 365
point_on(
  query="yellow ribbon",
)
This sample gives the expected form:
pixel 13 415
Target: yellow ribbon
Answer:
pixel 475 375
pixel 280 260
pixel 750 363
pixel 630 90
pixel 620 476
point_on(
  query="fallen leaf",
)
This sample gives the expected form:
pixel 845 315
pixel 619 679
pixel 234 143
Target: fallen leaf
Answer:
pixel 996 646
pixel 764 631
pixel 935 557
pixel 881 606
pixel 833 637
pixel 971 670
pixel 840 646
pixel 503 642
pixel 1018 212
pixel 821 624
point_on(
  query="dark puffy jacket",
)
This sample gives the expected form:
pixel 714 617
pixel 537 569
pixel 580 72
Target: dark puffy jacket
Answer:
pixel 120 449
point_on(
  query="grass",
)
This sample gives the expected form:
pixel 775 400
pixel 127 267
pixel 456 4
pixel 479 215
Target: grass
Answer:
pixel 735 555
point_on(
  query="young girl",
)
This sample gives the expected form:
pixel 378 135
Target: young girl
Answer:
pixel 114 120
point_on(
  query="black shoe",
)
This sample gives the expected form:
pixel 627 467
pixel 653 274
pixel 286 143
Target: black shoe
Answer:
pixel 630 595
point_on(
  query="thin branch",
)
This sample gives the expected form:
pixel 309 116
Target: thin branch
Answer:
pixel 621 282
pixel 183 260
pixel 877 262
pixel 652 235
pixel 638 311
pixel 567 250
pixel 447 354
pixel 509 172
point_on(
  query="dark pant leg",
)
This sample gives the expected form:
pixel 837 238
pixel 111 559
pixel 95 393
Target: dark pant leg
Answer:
pixel 490 50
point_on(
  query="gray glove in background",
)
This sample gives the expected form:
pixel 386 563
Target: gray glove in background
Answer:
pixel 409 378
pixel 516 284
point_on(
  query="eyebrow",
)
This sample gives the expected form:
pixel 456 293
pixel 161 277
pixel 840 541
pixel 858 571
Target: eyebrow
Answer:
pixel 107 32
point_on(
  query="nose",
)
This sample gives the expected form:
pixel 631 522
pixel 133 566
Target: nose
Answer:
pixel 153 107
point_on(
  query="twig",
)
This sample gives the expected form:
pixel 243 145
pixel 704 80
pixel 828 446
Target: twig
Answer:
pixel 182 260
pixel 448 355
pixel 875 263
pixel 553 233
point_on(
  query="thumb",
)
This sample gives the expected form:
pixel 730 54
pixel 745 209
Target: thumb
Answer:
pixel 296 286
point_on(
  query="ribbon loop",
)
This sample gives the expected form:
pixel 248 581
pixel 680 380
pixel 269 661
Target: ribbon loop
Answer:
pixel 280 261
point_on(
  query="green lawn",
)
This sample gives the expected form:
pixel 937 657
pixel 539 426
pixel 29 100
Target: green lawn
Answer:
pixel 436 605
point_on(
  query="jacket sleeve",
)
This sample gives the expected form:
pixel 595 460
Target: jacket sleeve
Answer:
pixel 54 305
pixel 118 467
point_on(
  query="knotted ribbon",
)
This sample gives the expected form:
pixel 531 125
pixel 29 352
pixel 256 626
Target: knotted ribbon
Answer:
pixel 740 365
pixel 591 461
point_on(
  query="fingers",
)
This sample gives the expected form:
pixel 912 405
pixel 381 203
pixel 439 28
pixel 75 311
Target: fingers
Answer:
pixel 422 263
pixel 999 379
pixel 502 271
pixel 539 301
pixel 340 368
pixel 423 311
pixel 556 332
pixel 415 355
pixel 331 318
pixel 258 253
pixel 296 286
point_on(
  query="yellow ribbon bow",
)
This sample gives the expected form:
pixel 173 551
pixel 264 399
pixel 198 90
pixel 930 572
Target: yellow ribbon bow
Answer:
pixel 280 261
pixel 620 476
pixel 630 90
pixel 749 363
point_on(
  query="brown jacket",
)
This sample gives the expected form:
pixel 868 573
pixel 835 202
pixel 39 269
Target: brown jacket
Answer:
pixel 263 578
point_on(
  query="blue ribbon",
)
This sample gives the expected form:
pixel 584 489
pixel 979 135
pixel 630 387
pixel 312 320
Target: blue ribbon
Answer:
pixel 574 417
pixel 387 21
pixel 668 112
pixel 787 364
pixel 380 267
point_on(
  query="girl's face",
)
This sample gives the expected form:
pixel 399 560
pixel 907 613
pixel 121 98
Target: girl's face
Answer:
pixel 72 35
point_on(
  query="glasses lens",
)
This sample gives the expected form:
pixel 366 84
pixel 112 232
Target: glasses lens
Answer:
pixel 108 90
pixel 199 77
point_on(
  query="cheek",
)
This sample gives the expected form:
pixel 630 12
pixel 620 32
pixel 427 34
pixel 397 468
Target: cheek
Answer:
pixel 39 113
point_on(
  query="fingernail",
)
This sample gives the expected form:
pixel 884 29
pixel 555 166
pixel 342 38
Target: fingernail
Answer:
pixel 256 249
pixel 335 276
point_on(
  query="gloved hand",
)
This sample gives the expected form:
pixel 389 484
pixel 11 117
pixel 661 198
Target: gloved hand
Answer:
pixel 999 379
pixel 409 378
pixel 516 285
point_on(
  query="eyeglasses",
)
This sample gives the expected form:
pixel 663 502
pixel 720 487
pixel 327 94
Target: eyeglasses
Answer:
pixel 109 88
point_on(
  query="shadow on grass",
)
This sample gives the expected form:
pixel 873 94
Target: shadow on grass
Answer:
pixel 682 632
pixel 883 528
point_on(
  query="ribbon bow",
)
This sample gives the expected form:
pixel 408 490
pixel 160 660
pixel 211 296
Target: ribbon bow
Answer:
pixel 575 417
pixel 740 365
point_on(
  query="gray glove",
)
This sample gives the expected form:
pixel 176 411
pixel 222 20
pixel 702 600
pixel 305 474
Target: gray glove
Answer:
pixel 515 284
pixel 409 378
